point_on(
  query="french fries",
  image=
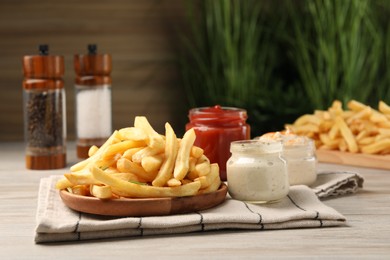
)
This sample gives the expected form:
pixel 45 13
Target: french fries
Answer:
pixel 361 128
pixel 137 162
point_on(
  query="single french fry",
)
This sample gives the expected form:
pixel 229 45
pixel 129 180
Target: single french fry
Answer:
pixel 362 114
pixel 128 154
pixel 202 169
pixel 107 163
pixel 174 183
pixel 183 155
pixel 347 114
pixel 322 114
pixel 144 152
pixel 215 184
pixel 196 152
pixel 336 109
pixel 325 126
pixel 383 107
pixel 370 128
pixel 307 119
pixel 376 147
pixel 207 180
pixel 133 133
pixel 343 145
pixel 101 191
pixel 83 177
pixel 171 149
pixel 63 183
pixel 377 117
pixel 154 141
pixel 366 140
pixel 82 190
pixel 192 163
pixel 202 159
pixel 329 142
pixel 306 129
pixel 125 165
pixel 92 150
pixel 334 132
pixel 361 135
pixel 128 176
pixel 85 163
pixel 152 163
pixel 347 135
pixel 121 147
pixel 355 105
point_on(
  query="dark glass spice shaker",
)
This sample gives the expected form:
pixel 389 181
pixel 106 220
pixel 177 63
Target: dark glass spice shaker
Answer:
pixel 44 110
pixel 93 99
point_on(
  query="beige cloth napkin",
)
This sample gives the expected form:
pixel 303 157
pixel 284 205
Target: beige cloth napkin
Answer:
pixel 330 184
pixel 300 209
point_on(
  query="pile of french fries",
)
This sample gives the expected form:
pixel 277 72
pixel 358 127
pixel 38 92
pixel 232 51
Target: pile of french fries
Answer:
pixel 359 129
pixel 137 162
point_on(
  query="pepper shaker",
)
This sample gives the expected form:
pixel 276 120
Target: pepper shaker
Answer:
pixel 93 99
pixel 44 110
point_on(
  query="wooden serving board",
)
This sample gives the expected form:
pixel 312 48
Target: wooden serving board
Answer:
pixel 355 159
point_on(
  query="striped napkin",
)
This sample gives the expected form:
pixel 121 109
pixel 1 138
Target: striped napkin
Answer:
pixel 300 209
pixel 331 184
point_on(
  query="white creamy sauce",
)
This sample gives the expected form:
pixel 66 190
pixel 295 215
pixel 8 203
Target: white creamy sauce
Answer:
pixel 301 164
pixel 299 153
pixel 302 172
pixel 257 180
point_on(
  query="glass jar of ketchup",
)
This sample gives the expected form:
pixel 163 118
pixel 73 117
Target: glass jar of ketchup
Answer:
pixel 216 127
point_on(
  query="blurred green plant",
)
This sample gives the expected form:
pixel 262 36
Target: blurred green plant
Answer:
pixel 279 61
pixel 231 57
pixel 382 12
pixel 336 49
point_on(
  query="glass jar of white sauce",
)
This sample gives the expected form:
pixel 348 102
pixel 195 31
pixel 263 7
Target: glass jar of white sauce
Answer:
pixel 256 171
pixel 299 153
pixel 301 160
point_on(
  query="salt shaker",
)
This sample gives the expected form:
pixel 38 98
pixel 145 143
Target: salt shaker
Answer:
pixel 44 110
pixel 93 99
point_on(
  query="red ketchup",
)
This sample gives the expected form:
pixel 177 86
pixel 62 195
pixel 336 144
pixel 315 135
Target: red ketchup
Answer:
pixel 216 127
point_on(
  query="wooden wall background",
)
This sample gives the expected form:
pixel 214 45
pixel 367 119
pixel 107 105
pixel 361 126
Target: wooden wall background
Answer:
pixel 140 35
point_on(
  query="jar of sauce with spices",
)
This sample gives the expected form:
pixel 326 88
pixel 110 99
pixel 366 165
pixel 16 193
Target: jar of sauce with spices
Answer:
pixel 216 127
pixel 93 99
pixel 44 110
pixel 257 171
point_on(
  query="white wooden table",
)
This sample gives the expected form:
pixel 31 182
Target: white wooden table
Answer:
pixel 367 234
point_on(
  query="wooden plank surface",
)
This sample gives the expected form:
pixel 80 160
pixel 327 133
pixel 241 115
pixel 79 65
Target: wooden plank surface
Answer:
pixel 367 235
pixel 354 159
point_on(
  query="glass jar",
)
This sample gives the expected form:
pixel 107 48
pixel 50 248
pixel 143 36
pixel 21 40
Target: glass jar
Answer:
pixel 93 99
pixel 299 153
pixel 256 171
pixel 216 127
pixel 44 110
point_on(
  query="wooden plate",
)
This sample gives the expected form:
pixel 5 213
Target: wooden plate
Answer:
pixel 355 159
pixel 142 207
